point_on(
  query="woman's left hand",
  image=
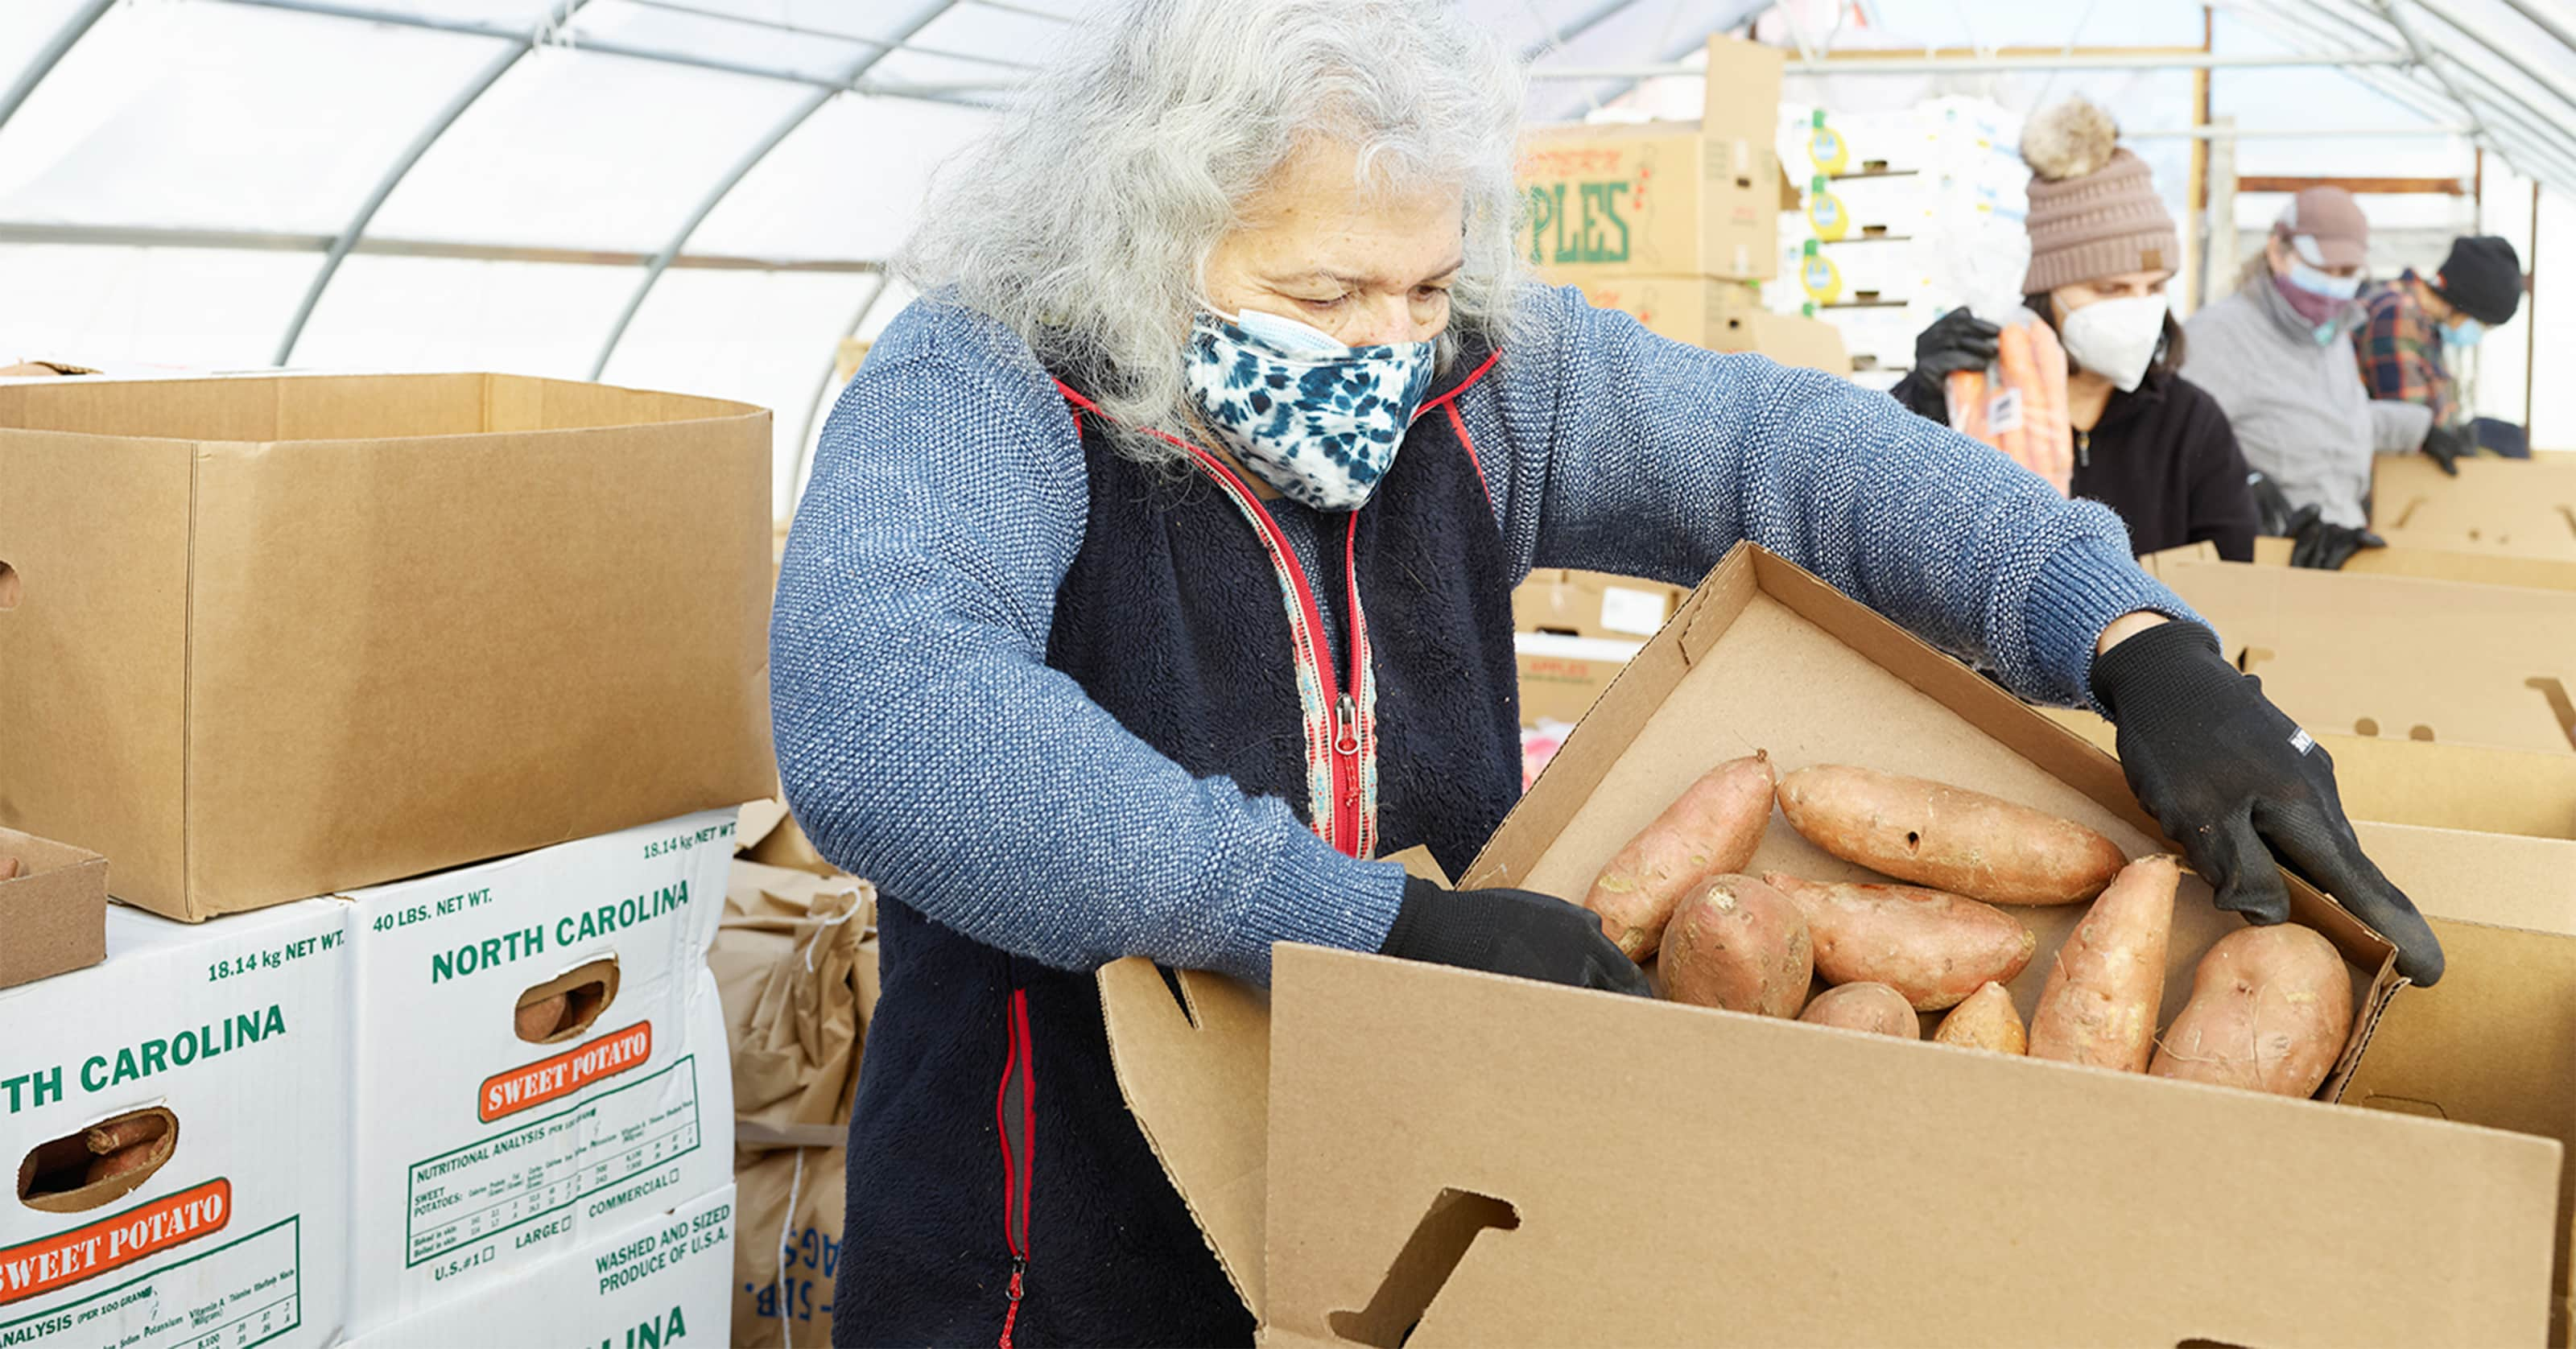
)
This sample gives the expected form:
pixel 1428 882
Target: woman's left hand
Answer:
pixel 2234 781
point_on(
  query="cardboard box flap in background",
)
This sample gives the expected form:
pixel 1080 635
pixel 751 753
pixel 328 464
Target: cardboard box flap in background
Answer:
pixel 2524 508
pixel 2395 655
pixel 2425 782
pixel 280 636
pixel 1482 1159
pixel 2433 564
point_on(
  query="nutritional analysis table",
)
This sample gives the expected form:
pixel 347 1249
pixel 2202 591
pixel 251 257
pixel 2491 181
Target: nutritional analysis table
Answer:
pixel 546 1165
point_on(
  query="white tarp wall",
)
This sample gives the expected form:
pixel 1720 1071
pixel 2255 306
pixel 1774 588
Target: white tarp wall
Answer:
pixel 736 171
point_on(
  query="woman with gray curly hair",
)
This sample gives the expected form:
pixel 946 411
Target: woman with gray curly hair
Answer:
pixel 1155 575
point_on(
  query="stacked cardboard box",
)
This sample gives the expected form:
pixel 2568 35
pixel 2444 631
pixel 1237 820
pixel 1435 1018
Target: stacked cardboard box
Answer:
pixel 1575 630
pixel 541 1061
pixel 1676 223
pixel 279 637
pixel 175 1120
pixel 276 637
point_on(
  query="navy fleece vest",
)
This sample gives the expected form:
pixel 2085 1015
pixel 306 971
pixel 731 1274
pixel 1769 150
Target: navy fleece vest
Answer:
pixel 983 1069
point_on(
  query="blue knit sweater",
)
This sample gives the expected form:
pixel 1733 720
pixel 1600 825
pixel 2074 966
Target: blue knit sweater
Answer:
pixel 925 744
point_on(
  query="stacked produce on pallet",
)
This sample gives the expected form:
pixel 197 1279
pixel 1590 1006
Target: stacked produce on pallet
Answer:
pixel 1901 216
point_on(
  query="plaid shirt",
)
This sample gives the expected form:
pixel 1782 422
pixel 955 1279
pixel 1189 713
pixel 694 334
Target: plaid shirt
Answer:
pixel 2400 348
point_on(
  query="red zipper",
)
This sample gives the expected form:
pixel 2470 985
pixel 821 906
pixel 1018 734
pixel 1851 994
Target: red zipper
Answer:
pixel 1015 1118
pixel 1347 828
pixel 1342 720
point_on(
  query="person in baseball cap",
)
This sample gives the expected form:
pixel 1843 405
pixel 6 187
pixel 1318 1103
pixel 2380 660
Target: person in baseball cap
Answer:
pixel 2278 356
pixel 2411 325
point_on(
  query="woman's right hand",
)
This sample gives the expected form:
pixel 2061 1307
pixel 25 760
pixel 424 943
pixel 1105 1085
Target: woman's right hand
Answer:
pixel 1516 932
pixel 1956 341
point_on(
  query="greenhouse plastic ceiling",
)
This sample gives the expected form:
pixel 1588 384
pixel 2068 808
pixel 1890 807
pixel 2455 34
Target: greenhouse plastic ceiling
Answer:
pixel 699 194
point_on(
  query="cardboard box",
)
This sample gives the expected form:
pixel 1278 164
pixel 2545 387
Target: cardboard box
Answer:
pixel 2513 507
pixel 233 1040
pixel 2438 564
pixel 478 1150
pixel 1666 198
pixel 280 636
pixel 2393 655
pixel 660 1282
pixel 2425 782
pixel 2494 1045
pixel 793 1201
pixel 1722 316
pixel 53 914
pixel 1574 630
pixel 1568 602
pixel 1411 1107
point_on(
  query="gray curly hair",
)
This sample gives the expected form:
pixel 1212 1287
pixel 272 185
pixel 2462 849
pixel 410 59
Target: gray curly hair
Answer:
pixel 1085 220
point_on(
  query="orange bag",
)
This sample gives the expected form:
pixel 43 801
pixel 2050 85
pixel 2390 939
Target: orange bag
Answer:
pixel 2018 405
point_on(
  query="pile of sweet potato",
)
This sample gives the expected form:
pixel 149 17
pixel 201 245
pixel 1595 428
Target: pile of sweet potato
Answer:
pixel 2270 1008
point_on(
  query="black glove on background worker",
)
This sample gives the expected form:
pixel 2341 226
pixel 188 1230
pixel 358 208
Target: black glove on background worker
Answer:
pixel 2324 547
pixel 2174 697
pixel 2273 512
pixel 1513 932
pixel 2446 446
pixel 1956 341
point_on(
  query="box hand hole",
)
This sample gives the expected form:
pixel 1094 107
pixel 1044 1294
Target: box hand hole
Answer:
pixel 10 587
pixel 566 1005
pixel 2366 726
pixel 2560 706
pixel 1439 1242
pixel 99 1164
pixel 1180 996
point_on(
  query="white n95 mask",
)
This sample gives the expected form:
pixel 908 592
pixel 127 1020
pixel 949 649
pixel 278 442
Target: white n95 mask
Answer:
pixel 2117 339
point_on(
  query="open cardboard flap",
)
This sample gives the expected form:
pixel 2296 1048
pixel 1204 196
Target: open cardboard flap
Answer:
pixel 1456 1158
pixel 1192 1054
pixel 2396 655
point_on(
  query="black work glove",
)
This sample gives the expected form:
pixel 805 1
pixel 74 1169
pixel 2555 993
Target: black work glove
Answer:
pixel 1512 932
pixel 2446 446
pixel 2272 508
pixel 1956 341
pixel 2226 773
pixel 2326 547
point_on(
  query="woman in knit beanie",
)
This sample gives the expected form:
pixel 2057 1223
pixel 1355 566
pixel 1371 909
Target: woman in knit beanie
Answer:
pixel 2148 444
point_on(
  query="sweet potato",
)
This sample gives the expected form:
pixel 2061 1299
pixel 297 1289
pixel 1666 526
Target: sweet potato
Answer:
pixel 1711 831
pixel 1987 1021
pixel 1870 1007
pixel 1932 947
pixel 121 1161
pixel 2108 982
pixel 125 1133
pixel 2270 1009
pixel 542 1018
pixel 1737 943
pixel 1949 838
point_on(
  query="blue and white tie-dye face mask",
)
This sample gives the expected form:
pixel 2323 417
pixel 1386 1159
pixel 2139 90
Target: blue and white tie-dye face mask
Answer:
pixel 1316 419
